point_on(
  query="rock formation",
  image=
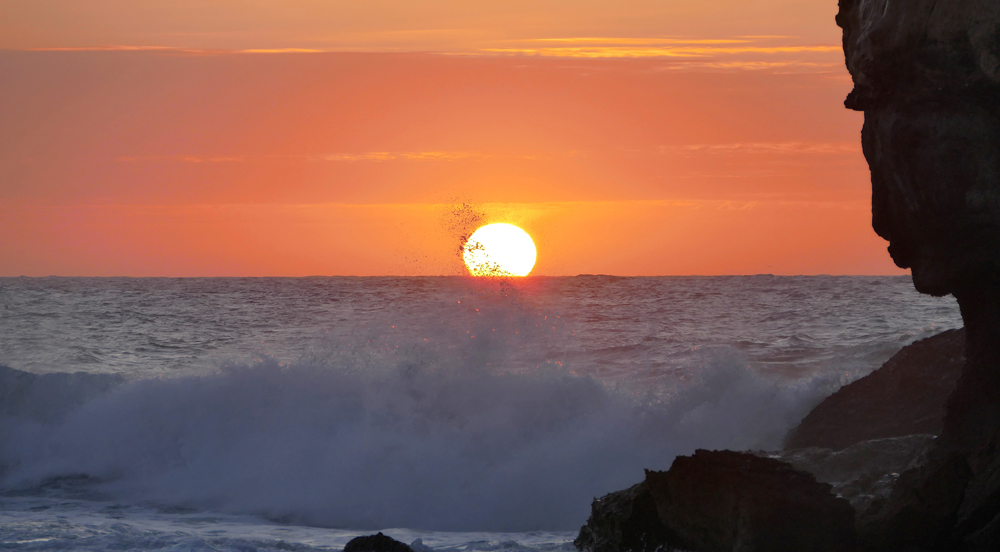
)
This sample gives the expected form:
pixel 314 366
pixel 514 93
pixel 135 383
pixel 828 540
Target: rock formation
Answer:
pixel 724 500
pixel 376 543
pixel 625 520
pixel 906 396
pixel 719 501
pixel 927 76
pixel 859 440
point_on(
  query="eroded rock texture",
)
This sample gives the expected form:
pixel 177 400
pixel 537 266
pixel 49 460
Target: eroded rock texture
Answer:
pixel 927 76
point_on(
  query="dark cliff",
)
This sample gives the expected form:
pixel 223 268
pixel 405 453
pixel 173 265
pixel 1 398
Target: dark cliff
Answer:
pixel 927 76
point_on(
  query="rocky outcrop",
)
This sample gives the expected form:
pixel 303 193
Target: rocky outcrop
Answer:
pixel 725 500
pixel 927 76
pixel 721 501
pixel 625 521
pixel 376 543
pixel 863 473
pixel 906 396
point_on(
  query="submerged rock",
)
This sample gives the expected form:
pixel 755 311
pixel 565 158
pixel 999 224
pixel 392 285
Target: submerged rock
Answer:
pixel 376 543
pixel 624 521
pixel 906 396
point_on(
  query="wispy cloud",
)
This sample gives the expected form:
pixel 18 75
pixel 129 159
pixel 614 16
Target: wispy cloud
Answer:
pixel 742 52
pixel 174 50
pixel 657 50
pixel 817 148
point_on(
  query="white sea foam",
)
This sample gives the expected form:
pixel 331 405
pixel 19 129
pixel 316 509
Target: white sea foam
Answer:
pixel 431 404
pixel 397 444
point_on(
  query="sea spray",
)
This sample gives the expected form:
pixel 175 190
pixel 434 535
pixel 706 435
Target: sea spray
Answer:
pixel 443 403
pixel 407 444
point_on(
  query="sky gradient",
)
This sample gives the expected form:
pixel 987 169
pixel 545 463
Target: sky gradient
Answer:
pixel 309 138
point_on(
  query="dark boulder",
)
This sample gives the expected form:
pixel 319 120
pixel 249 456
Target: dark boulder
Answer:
pixel 624 521
pixel 906 396
pixel 376 543
pixel 724 501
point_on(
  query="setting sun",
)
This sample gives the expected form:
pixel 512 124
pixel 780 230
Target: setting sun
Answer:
pixel 499 250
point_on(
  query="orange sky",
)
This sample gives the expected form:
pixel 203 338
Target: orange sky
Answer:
pixel 198 138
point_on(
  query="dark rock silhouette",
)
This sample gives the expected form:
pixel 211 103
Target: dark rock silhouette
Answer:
pixel 725 500
pixel 906 396
pixel 859 440
pixel 376 543
pixel 721 501
pixel 927 76
pixel 625 520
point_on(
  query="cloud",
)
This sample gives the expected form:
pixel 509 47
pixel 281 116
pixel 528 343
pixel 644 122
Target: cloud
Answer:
pixel 652 51
pixel 174 50
pixel 814 148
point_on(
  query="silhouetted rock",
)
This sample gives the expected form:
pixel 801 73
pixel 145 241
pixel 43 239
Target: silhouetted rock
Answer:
pixel 624 521
pixel 927 76
pixel 376 543
pixel 724 501
pixel 906 396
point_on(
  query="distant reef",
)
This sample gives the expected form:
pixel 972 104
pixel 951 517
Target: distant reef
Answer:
pixel 921 471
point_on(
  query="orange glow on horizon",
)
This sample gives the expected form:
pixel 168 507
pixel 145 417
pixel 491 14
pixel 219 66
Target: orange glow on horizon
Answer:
pixel 305 137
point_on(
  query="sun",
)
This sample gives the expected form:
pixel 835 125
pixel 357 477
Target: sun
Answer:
pixel 499 250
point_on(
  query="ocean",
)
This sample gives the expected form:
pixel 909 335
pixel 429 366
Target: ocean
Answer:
pixel 471 414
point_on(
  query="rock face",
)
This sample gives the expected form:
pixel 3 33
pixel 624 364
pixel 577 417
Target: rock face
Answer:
pixel 927 76
pixel 724 501
pixel 624 521
pixel 376 543
pixel 906 396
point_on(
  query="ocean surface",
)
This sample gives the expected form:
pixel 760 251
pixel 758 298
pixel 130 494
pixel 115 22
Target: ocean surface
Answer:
pixel 296 414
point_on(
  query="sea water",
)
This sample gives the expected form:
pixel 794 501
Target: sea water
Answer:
pixel 295 414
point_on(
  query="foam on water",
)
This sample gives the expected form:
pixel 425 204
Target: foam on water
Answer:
pixel 398 444
pixel 452 409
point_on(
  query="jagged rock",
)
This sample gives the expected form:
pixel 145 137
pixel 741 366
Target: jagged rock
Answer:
pixel 376 543
pixel 724 501
pixel 624 521
pixel 906 396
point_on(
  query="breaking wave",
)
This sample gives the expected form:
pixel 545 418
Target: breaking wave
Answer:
pixel 391 440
